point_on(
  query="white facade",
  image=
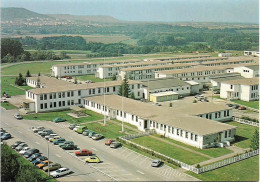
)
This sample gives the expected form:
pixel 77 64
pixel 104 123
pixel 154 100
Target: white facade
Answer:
pixel 252 53
pixel 247 72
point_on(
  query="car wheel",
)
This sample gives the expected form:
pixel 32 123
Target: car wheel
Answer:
pixel 57 176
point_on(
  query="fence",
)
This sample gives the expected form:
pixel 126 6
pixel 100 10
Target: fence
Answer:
pixel 226 162
pixel 137 135
pixel 243 121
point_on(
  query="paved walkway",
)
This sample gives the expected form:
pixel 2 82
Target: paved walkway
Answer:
pixel 236 150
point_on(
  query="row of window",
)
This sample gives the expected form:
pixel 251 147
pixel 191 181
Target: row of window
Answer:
pixel 254 95
pixel 199 73
pixel 58 104
pixel 254 87
pixel 59 95
pixel 217 115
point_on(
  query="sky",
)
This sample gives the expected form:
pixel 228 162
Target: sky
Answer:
pixel 238 11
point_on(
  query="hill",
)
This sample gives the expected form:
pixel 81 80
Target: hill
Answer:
pixel 10 14
pixel 86 19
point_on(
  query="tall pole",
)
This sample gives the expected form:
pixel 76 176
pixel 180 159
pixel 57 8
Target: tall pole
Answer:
pixel 48 159
pixel 123 107
pixel 104 95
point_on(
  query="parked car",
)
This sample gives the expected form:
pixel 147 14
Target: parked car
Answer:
pixel 60 140
pixel 4 101
pixel 43 164
pixel 39 160
pixel 25 149
pixel 109 141
pixel 157 104
pixel 34 156
pixel 72 126
pixel 217 92
pixel 91 133
pixel 76 127
pixel 92 159
pixel 21 146
pixel 97 136
pixel 48 137
pixel 81 129
pixel 60 172
pixel 85 132
pixel 89 81
pixel 57 120
pixel 16 144
pixel 18 116
pixel 83 152
pixel 115 144
pixel 51 167
pixel 54 138
pixel 242 108
pixel 205 100
pixel 235 106
pixel 6 136
pixel 156 163
pixel 42 131
pixel 37 129
pixel 69 147
pixel 48 132
pixel 229 105
pixel 30 152
pixel 66 143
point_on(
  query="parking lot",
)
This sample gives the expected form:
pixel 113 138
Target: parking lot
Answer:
pixel 119 164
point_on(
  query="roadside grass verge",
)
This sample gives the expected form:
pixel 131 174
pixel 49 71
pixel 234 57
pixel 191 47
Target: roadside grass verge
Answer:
pixel 92 116
pixel 8 106
pixel 11 90
pixel 245 170
pixel 110 130
pixel 213 152
pixel 252 104
pixel 91 77
pixel 244 133
pixel 169 150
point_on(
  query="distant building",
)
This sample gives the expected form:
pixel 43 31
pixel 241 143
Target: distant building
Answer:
pixel 251 53
pixel 246 89
pixel 225 55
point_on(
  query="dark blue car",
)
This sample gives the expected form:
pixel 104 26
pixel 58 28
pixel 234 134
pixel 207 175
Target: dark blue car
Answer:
pixel 34 156
pixel 39 160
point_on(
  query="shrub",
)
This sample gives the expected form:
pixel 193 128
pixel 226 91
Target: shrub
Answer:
pixel 198 166
pixel 194 101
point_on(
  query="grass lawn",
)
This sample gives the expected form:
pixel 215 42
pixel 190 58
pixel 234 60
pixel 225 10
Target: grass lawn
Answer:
pixel 111 130
pixel 244 133
pixel 91 77
pixel 213 152
pixel 51 115
pixel 253 104
pixel 245 170
pixel 11 90
pixel 8 106
pixel 169 150
pixel 126 124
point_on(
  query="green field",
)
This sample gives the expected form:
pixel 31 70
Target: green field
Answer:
pixel 12 90
pixel 110 130
pixel 92 78
pixel 8 106
pixel 252 104
pixel 213 152
pixel 244 133
pixel 169 150
pixel 92 116
pixel 246 170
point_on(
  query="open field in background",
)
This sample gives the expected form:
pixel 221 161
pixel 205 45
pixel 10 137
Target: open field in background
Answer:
pixel 170 150
pixel 253 104
pixel 213 152
pixel 92 116
pixel 244 133
pixel 245 170
pixel 110 130
pixel 12 90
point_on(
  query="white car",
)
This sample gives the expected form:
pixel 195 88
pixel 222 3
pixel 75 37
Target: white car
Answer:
pixel 25 149
pixel 75 129
pixel 36 129
pixel 47 137
pixel 60 172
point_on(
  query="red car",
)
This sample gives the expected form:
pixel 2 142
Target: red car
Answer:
pixel 83 152
pixel 109 141
pixel 242 108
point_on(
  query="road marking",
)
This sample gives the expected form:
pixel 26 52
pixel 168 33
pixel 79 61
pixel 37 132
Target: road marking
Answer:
pixel 94 149
pixel 6 123
pixel 140 172
pixel 37 143
pixel 58 155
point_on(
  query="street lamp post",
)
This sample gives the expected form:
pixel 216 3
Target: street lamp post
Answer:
pixel 104 95
pixel 48 158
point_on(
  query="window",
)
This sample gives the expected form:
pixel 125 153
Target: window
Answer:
pixel 133 117
pixel 157 125
pixel 89 91
pixel 54 104
pixel 225 134
pixel 59 95
pixel 59 103
pixel 99 90
pixel 51 105
pixel 191 136
pixel 107 89
pixel 79 93
pixel 63 94
pixel 63 103
pixel 45 96
pixel 41 106
pixel 54 95
pixel 114 89
pixel 172 130
pixel 229 133
pixel 124 115
pixel 45 105
pixel 227 112
pixel 121 113
pixel 231 86
pixel 72 102
pixel 68 94
pixel 50 96
pixel 93 91
pixel 196 137
pixel 72 93
pixel 136 118
pixel 186 134
pixel 79 101
pixel 178 132
pixel 68 102
pixel 181 132
pixel 169 129
pixel 41 97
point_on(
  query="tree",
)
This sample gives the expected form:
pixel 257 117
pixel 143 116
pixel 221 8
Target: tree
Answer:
pixel 170 105
pixel 114 77
pixel 8 58
pixel 39 74
pixel 28 74
pixel 76 80
pixel 9 164
pixel 255 140
pixel 12 47
pixel 124 89
pixel 20 80
pixel 38 82
pixel 132 95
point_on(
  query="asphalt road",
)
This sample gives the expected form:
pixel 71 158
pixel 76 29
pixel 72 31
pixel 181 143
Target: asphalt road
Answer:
pixel 119 164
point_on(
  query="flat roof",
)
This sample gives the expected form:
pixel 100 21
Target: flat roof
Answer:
pixel 244 81
pixel 180 56
pixel 164 93
pixel 227 78
pixel 163 83
pixel 50 81
pixel 71 87
pixel 227 61
pixel 175 117
pixel 161 66
pixel 192 82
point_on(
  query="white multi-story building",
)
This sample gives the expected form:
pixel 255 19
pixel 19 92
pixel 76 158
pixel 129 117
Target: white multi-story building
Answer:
pixel 228 62
pixel 192 124
pixel 216 80
pixel 246 89
pixel 248 71
pixel 85 68
pixel 63 95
